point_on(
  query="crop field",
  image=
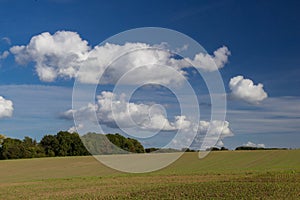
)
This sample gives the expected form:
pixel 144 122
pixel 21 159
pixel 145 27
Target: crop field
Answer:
pixel 269 174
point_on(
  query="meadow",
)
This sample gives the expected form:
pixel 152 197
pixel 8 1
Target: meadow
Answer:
pixel 267 174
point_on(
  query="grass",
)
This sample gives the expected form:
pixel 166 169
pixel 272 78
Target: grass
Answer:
pixel 220 175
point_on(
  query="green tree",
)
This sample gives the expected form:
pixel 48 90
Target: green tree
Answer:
pixel 50 144
pixel 137 146
pixel 11 149
pixel 63 144
pixel 64 140
pixel 224 149
pixel 77 147
pixel 127 144
pixel 70 144
pixel 32 149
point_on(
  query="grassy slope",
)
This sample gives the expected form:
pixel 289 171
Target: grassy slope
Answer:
pixel 231 175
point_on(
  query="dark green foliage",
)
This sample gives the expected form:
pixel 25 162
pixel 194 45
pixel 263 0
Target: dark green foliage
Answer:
pixel 257 148
pixel 162 150
pixel 68 144
pixel 248 148
pixel 149 150
pixel 50 145
pixel 11 149
pixel 15 148
pixel 127 144
pixel 62 144
pixel 224 149
pixel 32 149
pixel 213 149
pixel 217 149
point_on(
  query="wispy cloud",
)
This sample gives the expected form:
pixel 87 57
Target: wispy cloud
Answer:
pixel 275 115
pixel 4 55
pixel 6 40
pixel 36 110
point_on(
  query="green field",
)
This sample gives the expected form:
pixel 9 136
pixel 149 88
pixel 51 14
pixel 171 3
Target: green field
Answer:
pixel 273 174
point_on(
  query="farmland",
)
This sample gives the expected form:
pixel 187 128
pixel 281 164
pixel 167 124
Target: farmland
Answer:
pixel 272 174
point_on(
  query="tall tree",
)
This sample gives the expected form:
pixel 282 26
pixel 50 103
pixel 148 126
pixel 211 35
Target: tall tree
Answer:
pixel 127 144
pixel 50 145
pixel 11 149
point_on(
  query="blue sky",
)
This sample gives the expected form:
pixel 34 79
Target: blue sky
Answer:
pixel 263 38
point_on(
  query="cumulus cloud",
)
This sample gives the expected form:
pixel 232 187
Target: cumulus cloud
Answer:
pixel 211 133
pixel 53 55
pixel 66 55
pixel 244 89
pixel 114 111
pixel 211 63
pixel 215 127
pixel 251 144
pixel 6 107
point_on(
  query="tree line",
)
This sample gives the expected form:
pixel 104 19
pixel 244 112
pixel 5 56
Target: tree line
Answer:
pixel 71 144
pixel 61 144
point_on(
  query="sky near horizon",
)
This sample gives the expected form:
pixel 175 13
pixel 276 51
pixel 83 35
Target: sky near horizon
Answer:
pixel 253 45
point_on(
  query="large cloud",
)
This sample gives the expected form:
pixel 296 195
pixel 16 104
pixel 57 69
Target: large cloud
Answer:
pixel 215 128
pixel 245 90
pixel 65 54
pixel 209 134
pixel 115 112
pixel 214 131
pixel 53 55
pixel 6 107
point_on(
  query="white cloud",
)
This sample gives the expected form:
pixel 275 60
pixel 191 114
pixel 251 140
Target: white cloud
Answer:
pixel 65 54
pixel 251 144
pixel 244 89
pixel 53 54
pixel 211 134
pixel 75 128
pixel 4 55
pixel 181 122
pixel 271 118
pixel 6 107
pixel 211 63
pixel 115 112
pixel 215 127
pixel 220 143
